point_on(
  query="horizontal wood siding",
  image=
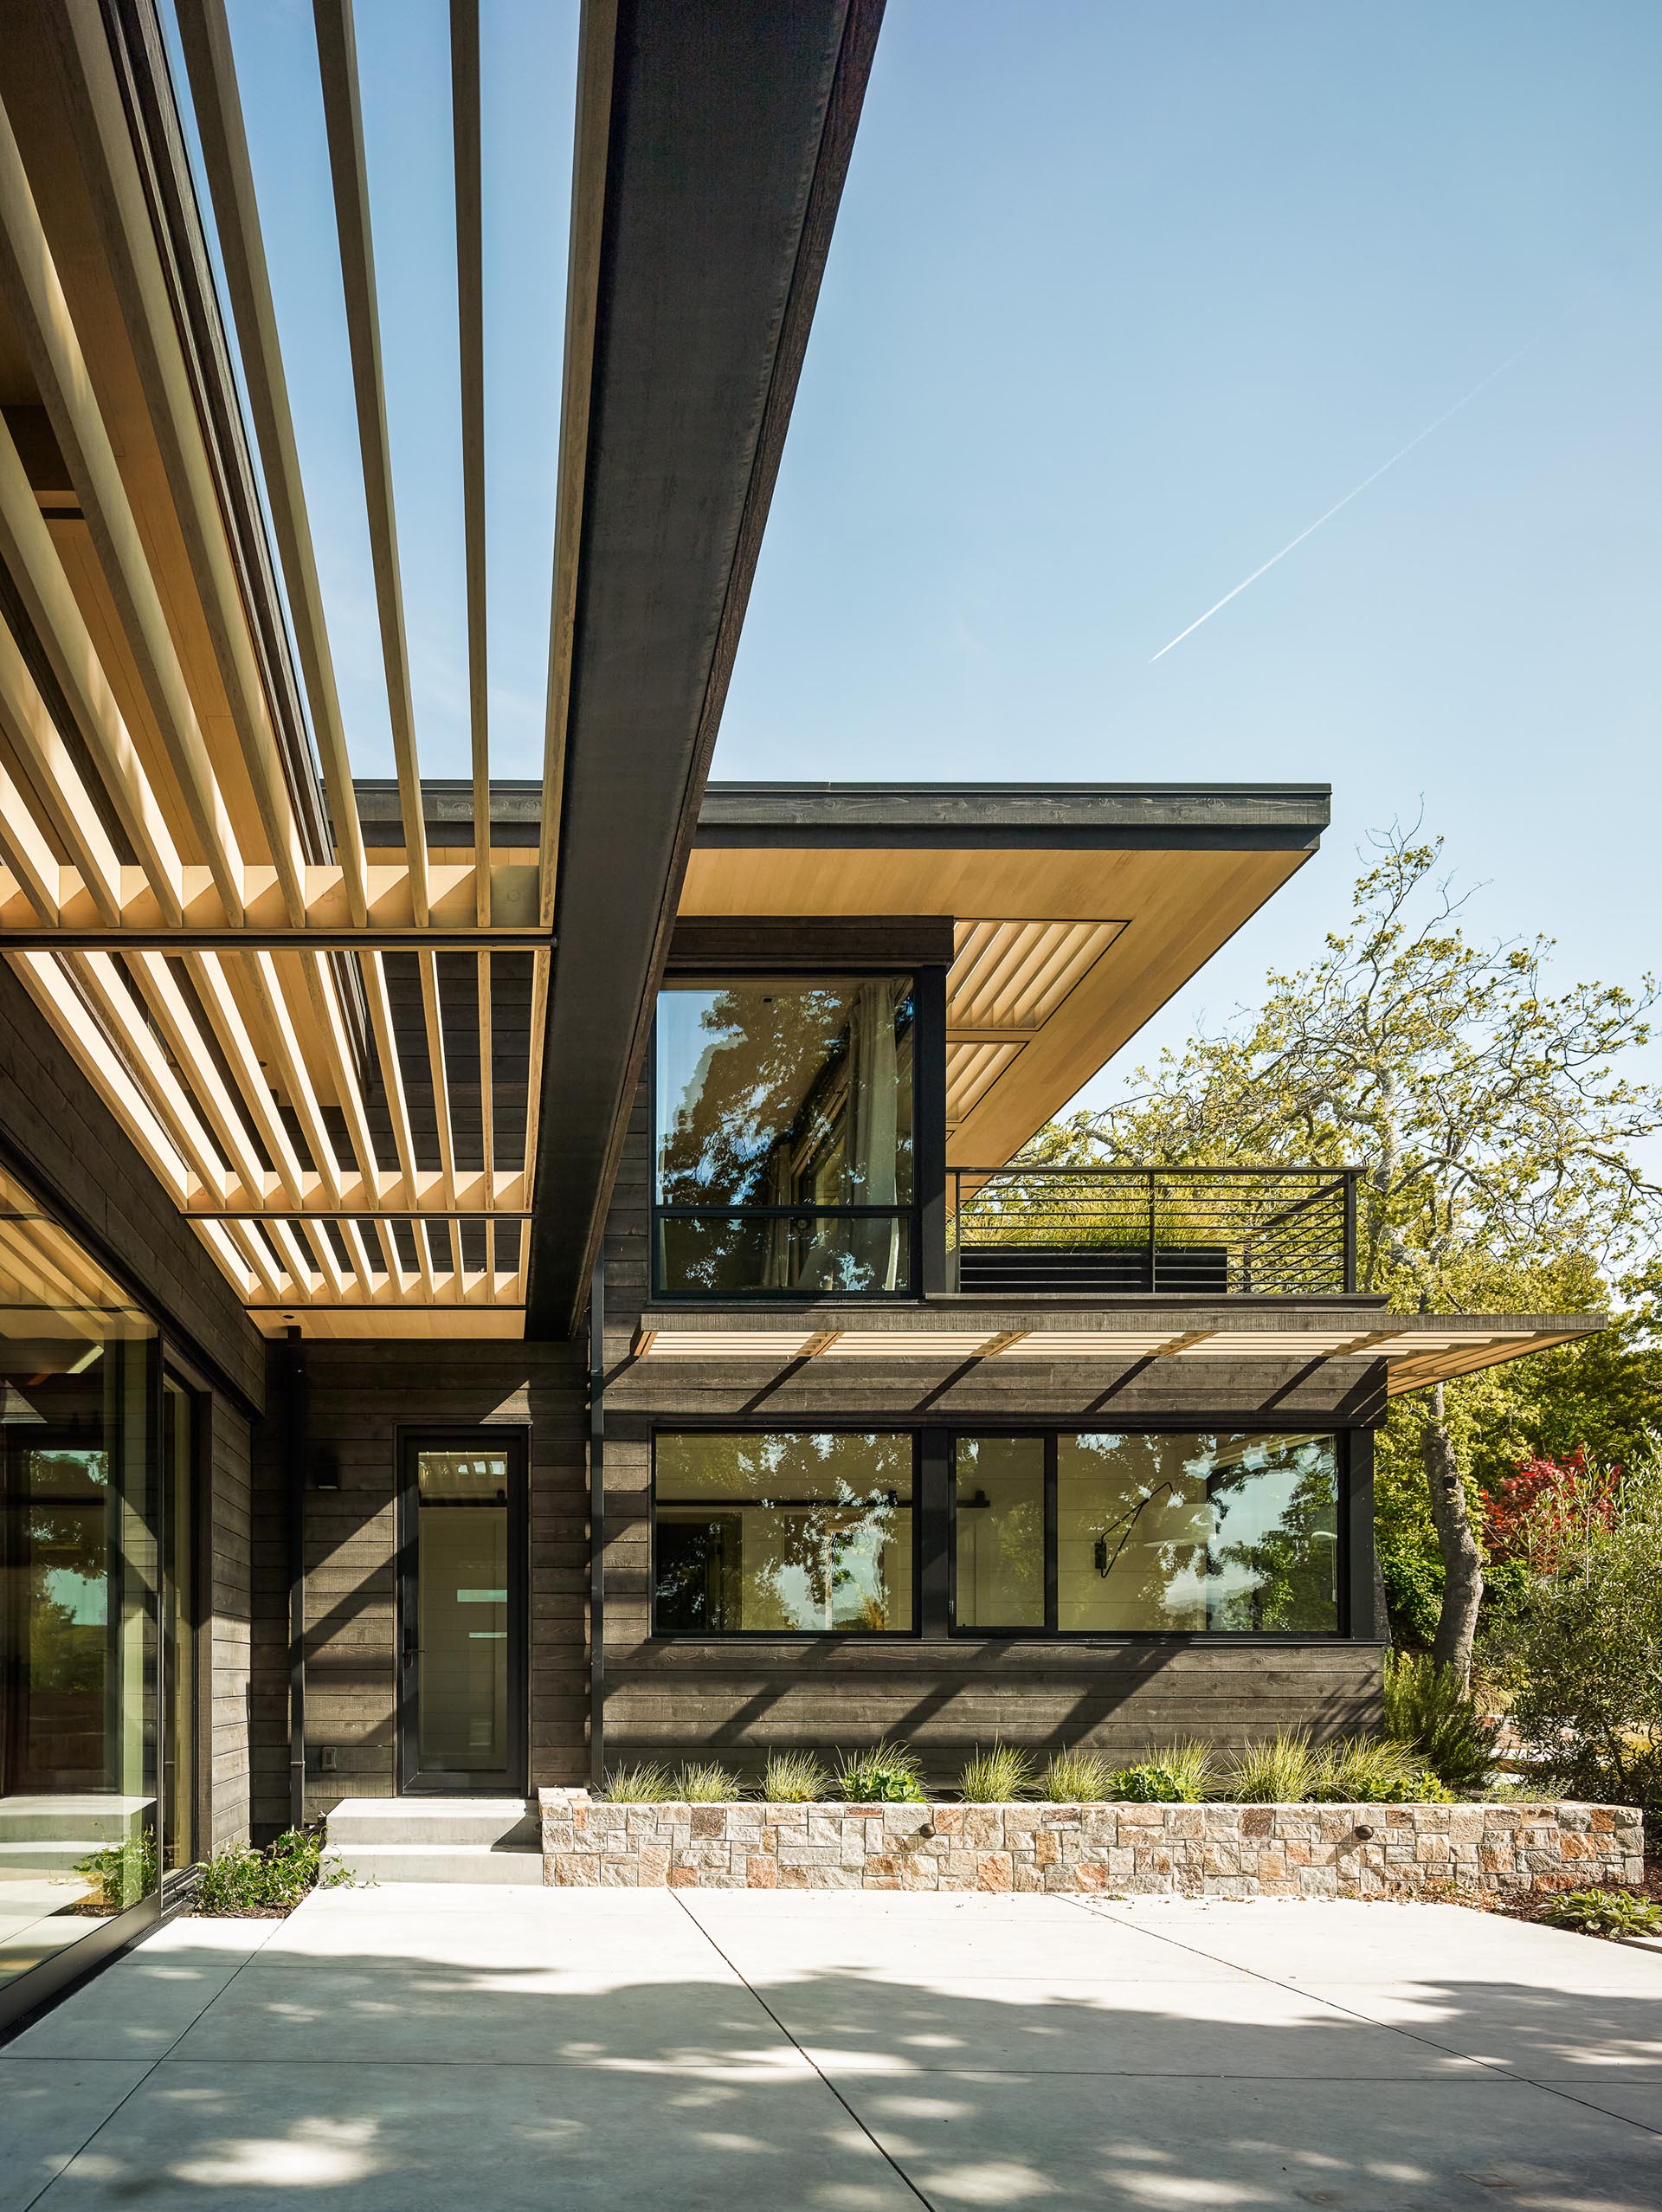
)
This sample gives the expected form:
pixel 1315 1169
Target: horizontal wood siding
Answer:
pixel 668 1699
pixel 229 1635
pixel 359 1398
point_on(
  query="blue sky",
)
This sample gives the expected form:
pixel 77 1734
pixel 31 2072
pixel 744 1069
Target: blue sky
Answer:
pixel 1122 298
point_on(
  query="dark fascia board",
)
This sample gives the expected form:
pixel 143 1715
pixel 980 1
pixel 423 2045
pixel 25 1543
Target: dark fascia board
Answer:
pixel 753 941
pixel 448 810
pixel 1288 818
pixel 724 134
pixel 1278 816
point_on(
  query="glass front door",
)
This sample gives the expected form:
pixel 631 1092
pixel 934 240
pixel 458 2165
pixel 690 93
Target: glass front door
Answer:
pixel 462 1616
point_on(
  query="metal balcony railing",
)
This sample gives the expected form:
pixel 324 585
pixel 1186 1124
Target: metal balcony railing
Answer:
pixel 1195 1232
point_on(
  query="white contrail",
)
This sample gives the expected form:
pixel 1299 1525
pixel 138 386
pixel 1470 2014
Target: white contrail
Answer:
pixel 1400 454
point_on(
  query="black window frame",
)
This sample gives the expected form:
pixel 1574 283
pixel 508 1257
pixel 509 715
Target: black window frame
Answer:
pixel 924 1212
pixel 514 1441
pixel 716 1428
pixel 935 1535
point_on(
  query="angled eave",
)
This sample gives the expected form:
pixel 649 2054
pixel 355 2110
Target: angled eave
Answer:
pixel 1415 1349
pixel 1078 909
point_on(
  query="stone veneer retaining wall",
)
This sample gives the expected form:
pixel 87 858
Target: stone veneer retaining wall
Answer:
pixel 1385 1851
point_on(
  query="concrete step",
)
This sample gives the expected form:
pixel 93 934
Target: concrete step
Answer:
pixel 20 1861
pixel 434 1823
pixel 46 1817
pixel 518 1863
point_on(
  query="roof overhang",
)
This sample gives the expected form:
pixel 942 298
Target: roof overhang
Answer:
pixel 1079 909
pixel 1417 1349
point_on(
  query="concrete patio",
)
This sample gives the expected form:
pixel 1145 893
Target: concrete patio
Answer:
pixel 412 2047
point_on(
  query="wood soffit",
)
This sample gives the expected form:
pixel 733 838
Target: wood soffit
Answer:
pixel 1415 1349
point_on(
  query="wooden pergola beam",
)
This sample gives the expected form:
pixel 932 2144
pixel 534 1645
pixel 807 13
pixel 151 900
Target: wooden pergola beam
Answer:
pixel 209 62
pixel 37 574
pixel 28 281
pixel 470 318
pixel 225 1017
pixel 160 989
pixel 35 752
pixel 134 261
pixel 344 122
pixel 105 987
pixel 45 980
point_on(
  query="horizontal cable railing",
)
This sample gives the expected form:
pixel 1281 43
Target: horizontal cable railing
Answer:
pixel 1202 1232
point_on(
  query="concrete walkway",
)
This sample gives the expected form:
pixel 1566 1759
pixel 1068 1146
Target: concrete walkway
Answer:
pixel 406 2047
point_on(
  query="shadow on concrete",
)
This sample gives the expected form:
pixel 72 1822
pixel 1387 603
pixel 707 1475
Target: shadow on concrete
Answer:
pixel 619 2061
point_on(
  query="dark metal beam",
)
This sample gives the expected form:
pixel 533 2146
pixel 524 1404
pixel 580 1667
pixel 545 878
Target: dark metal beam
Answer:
pixel 727 133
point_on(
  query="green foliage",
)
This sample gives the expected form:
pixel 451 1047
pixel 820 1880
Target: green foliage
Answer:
pixel 1426 1710
pixel 884 1775
pixel 122 1873
pixel 704 1783
pixel 238 1880
pixel 1077 1778
pixel 796 1778
pixel 998 1777
pixel 1193 1767
pixel 1276 1770
pixel 1580 1647
pixel 1498 1144
pixel 1413 1595
pixel 1610 1912
pixel 646 1784
pixel 1371 1770
pixel 1145 1784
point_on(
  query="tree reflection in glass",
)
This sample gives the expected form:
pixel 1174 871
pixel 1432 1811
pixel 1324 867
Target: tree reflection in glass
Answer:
pixel 774 1094
pixel 1182 1532
pixel 783 1534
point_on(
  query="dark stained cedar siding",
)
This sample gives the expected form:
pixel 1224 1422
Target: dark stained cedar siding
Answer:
pixel 740 1699
pixel 359 1398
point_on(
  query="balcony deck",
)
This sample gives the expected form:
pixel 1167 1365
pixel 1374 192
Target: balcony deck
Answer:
pixel 1105 1232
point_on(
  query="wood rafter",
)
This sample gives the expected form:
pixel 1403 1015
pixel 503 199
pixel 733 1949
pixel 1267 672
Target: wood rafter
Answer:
pixel 168 891
pixel 343 121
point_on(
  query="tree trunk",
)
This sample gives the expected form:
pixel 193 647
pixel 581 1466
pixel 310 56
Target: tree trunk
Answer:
pixel 1457 1624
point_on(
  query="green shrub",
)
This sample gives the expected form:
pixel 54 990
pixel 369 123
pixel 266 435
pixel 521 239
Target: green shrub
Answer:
pixel 698 1783
pixel 1077 1778
pixel 995 1777
pixel 1610 1912
pixel 1145 1784
pixel 1580 1647
pixel 639 1785
pixel 1276 1770
pixel 238 1880
pixel 121 1873
pixel 1193 1765
pixel 1413 1595
pixel 1426 1710
pixel 885 1775
pixel 1371 1770
pixel 796 1778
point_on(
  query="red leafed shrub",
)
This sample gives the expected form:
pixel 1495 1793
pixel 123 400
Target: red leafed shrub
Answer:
pixel 1532 1514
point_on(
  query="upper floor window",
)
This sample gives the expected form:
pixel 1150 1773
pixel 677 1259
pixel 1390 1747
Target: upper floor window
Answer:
pixel 784 1138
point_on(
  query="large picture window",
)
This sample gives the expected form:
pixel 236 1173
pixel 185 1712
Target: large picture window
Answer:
pixel 1195 1531
pixel 783 1534
pixel 1109 1533
pixel 783 1152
